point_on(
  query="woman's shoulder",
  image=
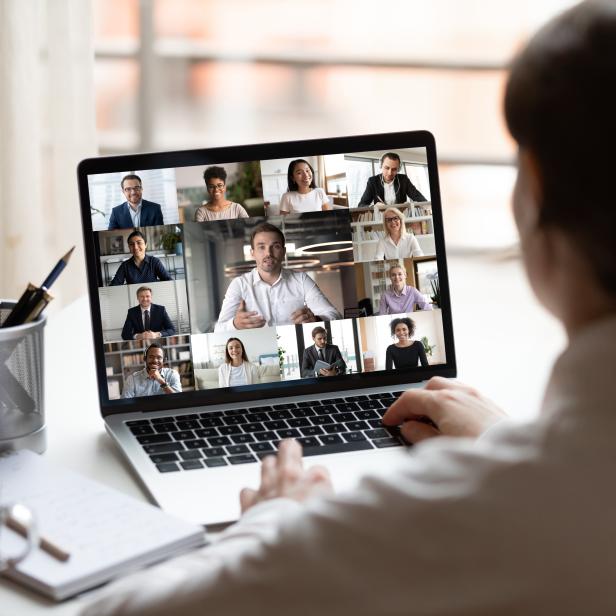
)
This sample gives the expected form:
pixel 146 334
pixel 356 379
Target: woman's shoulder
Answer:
pixel 201 213
pixel 239 210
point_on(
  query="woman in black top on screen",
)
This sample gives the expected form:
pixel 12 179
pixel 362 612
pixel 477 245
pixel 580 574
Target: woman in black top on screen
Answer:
pixel 406 352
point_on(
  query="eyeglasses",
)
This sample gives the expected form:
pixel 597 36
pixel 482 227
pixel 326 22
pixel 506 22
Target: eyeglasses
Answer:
pixel 215 186
pixel 133 189
pixel 392 219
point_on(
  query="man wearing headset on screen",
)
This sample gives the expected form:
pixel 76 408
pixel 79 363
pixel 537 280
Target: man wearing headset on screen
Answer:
pixel 153 379
pixel 390 187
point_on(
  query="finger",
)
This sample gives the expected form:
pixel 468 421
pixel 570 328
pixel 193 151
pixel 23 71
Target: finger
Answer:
pixel 319 475
pixel 247 318
pixel 250 322
pixel 297 317
pixel 253 323
pixel 248 497
pixel 242 306
pixel 439 382
pixel 411 405
pixel 268 476
pixel 415 431
pixel 302 313
pixel 290 467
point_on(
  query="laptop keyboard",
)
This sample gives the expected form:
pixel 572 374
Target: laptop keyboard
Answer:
pixel 244 436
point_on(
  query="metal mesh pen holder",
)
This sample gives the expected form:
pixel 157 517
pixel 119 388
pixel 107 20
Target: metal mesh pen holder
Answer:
pixel 22 416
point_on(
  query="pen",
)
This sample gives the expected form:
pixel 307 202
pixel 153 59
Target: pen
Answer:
pixel 34 299
pixel 14 523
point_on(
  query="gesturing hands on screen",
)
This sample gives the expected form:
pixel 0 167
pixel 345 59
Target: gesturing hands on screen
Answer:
pixel 443 407
pixel 244 319
pixel 147 335
pixel 303 315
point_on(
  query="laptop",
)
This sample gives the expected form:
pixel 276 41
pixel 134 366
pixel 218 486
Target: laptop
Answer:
pixel 219 277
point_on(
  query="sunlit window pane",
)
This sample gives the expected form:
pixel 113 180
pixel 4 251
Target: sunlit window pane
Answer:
pixel 476 205
pixel 116 21
pixel 116 83
pixel 455 30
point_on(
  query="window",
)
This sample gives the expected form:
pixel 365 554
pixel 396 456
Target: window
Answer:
pixel 175 74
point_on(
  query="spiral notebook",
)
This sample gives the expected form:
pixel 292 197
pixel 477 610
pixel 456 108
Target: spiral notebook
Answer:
pixel 107 533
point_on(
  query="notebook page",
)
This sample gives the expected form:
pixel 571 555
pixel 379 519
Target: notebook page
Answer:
pixel 100 527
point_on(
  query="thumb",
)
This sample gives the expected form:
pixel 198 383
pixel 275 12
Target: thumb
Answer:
pixel 242 306
pixel 248 498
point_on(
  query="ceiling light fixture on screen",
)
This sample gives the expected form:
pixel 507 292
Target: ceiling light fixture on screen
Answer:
pixel 323 248
pixel 337 265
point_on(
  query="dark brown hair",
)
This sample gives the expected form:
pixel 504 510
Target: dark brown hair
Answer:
pixel 228 357
pixel 130 176
pixel 215 172
pixel 408 322
pixel 291 183
pixel 560 107
pixel 318 330
pixel 265 227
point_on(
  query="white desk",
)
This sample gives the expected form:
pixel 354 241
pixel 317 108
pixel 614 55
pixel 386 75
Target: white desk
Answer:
pixel 505 345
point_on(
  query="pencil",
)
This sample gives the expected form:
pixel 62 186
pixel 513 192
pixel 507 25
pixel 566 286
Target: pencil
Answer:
pixel 47 546
pixel 55 272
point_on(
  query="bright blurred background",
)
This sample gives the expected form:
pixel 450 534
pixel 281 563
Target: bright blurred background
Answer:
pixel 124 76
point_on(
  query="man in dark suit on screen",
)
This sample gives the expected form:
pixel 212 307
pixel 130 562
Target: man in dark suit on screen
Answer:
pixel 328 353
pixel 135 211
pixel 390 187
pixel 147 320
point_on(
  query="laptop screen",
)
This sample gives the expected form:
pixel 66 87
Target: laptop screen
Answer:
pixel 250 272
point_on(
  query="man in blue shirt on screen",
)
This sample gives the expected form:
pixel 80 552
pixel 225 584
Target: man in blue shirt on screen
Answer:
pixel 135 211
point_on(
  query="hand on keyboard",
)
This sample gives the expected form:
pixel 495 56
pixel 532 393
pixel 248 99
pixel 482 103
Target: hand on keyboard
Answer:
pixel 443 407
pixel 285 476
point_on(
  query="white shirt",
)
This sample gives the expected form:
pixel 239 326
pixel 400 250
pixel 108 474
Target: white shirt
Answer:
pixel 390 192
pixel 135 214
pixel 237 375
pixel 408 246
pixel 249 373
pixel 520 521
pixel 312 201
pixel 275 303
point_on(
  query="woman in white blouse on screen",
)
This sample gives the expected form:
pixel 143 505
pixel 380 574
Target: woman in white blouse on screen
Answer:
pixel 303 195
pixel 236 370
pixel 398 243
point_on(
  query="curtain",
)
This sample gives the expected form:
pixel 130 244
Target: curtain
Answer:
pixel 47 125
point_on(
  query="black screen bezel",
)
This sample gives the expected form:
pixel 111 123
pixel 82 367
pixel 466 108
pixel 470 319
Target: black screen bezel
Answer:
pixel 288 149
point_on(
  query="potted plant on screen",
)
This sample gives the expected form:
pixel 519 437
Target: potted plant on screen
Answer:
pixel 428 348
pixel 172 242
pixel 435 287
